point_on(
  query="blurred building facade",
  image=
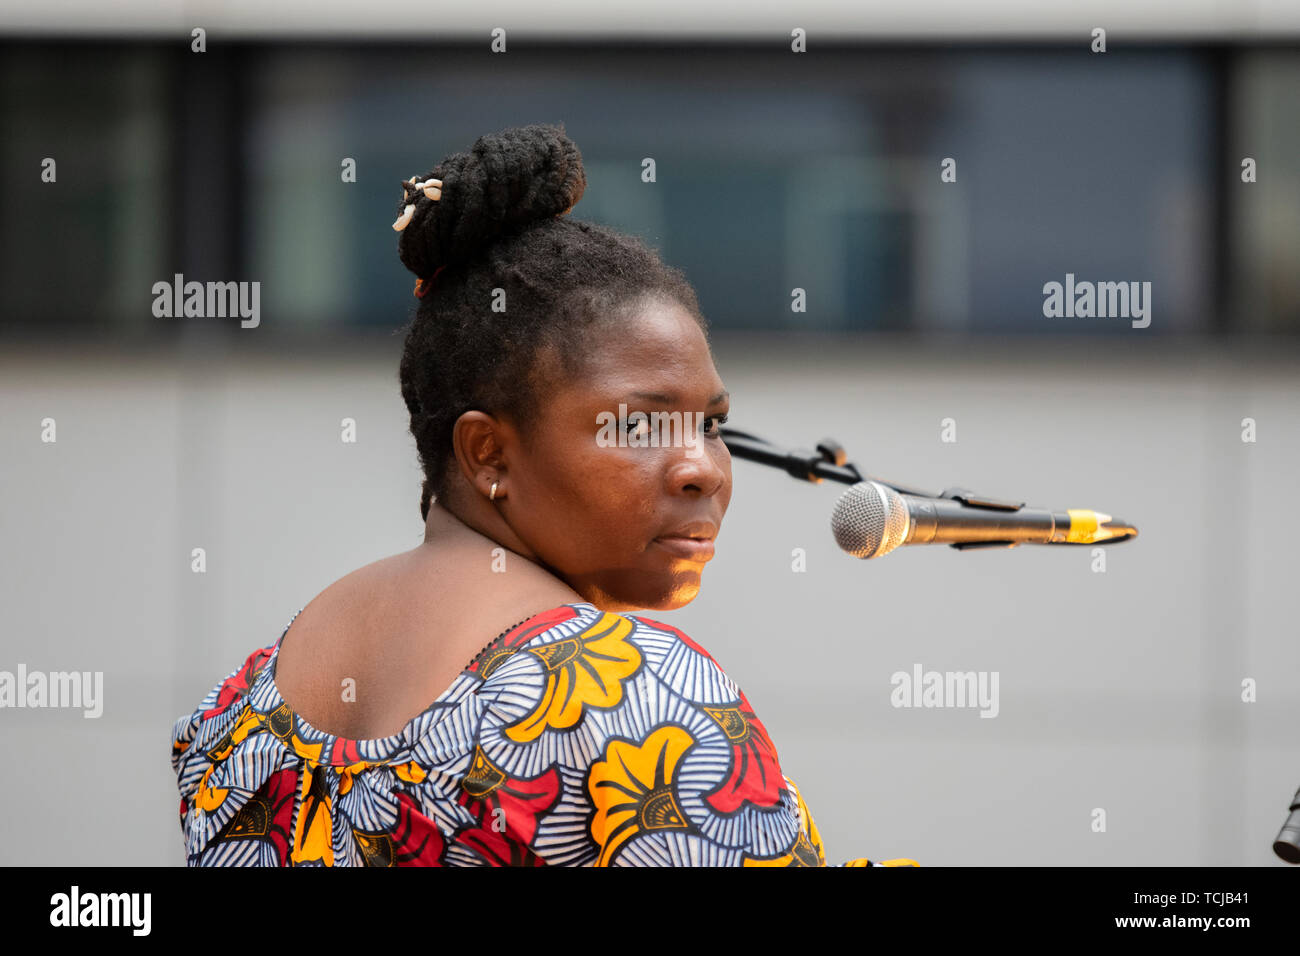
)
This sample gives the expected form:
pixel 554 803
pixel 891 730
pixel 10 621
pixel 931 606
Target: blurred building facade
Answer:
pixel 773 172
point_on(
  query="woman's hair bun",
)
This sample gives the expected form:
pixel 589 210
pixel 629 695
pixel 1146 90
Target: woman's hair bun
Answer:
pixel 506 181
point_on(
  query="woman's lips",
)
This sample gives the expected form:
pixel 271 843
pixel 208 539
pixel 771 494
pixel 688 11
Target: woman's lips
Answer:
pixel 692 549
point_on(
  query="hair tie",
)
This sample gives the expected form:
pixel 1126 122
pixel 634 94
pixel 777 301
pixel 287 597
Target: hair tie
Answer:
pixel 422 286
pixel 432 189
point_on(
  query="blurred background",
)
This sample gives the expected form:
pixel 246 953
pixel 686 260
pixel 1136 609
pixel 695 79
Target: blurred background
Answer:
pixel 1119 690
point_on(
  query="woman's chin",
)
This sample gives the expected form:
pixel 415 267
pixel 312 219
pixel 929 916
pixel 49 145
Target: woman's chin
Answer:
pixel 671 593
pixel 681 591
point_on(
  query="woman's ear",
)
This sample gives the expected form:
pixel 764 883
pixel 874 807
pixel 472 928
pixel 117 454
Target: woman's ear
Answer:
pixel 480 442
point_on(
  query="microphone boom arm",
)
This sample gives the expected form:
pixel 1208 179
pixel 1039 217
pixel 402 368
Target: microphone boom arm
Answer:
pixel 830 463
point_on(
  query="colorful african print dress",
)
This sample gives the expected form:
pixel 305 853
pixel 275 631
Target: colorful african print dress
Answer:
pixel 577 738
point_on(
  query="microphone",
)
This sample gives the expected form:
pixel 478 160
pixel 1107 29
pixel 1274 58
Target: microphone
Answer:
pixel 872 519
pixel 1287 843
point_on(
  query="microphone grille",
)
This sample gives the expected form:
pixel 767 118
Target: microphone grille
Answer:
pixel 869 520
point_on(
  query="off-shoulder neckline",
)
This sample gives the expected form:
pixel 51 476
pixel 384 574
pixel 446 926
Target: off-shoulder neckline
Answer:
pixel 388 744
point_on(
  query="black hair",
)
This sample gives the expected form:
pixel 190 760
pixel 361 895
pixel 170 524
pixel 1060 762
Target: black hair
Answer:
pixel 500 223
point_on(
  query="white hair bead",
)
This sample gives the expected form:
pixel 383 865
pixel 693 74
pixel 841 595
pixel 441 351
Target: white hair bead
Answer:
pixel 405 218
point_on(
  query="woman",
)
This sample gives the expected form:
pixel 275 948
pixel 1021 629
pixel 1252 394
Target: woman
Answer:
pixel 583 734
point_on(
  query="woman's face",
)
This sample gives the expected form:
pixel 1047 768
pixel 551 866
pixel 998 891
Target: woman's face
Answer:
pixel 610 517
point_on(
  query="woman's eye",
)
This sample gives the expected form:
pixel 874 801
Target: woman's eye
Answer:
pixel 720 420
pixel 637 424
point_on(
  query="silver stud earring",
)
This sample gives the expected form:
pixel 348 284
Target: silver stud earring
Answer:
pixel 493 493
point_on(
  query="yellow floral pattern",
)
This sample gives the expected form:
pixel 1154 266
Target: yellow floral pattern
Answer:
pixel 586 670
pixel 632 789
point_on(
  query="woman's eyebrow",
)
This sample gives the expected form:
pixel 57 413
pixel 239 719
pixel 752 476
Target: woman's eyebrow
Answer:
pixel 664 399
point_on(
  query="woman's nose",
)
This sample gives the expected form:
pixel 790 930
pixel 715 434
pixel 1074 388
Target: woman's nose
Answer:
pixel 705 472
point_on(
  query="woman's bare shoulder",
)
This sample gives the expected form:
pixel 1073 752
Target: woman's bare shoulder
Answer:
pixel 400 630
